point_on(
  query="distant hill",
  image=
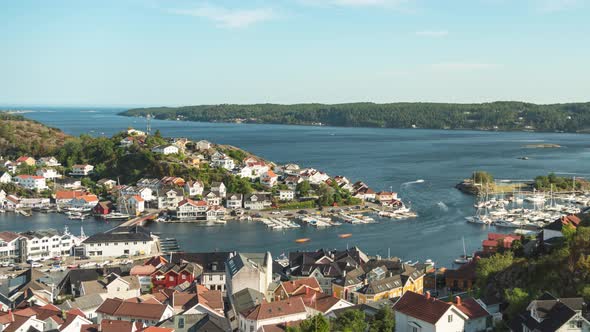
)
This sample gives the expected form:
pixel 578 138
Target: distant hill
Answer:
pixel 506 116
pixel 23 136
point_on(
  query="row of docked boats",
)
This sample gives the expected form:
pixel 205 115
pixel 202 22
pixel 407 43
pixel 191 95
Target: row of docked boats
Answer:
pixel 530 212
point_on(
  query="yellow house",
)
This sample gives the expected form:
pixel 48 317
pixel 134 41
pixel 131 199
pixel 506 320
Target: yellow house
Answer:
pixel 344 288
pixel 386 288
pixel 413 281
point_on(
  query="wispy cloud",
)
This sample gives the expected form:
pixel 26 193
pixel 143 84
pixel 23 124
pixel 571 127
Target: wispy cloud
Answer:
pixel 432 33
pixel 463 66
pixel 229 18
pixel 550 6
pixel 357 3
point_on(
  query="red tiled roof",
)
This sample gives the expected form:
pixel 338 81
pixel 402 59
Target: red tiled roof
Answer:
pixel 142 270
pixel 294 287
pixel 68 194
pixel 419 306
pixel 471 308
pixel 26 176
pixel 191 202
pixel 276 309
pixel 157 329
pixel 8 236
pixel 118 307
pixel 138 198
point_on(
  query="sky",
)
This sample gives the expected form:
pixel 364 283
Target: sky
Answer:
pixel 189 52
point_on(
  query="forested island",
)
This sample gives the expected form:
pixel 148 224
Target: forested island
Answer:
pixel 504 116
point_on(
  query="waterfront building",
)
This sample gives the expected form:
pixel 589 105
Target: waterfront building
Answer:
pixel 87 201
pixel 82 170
pixel 257 201
pixel 136 204
pixel 166 149
pixel 145 193
pixel 234 201
pixel 32 182
pixel 34 202
pixel 463 278
pixel 496 241
pixel 215 213
pixel 169 198
pixel 44 244
pixel 189 209
pixel 385 196
pixel 134 240
pixel 64 197
pixel 10 247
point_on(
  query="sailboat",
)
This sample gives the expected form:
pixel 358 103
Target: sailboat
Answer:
pixel 463 259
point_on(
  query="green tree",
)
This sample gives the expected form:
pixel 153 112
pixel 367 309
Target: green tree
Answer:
pixel 317 323
pixel 487 267
pixel 482 177
pixel 350 321
pixel 303 188
pixel 517 300
pixel 384 320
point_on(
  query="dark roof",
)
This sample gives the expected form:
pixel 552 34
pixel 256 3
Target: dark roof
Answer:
pixel 553 313
pixel 76 276
pixel 198 322
pixel 209 261
pixel 247 298
pixel 121 234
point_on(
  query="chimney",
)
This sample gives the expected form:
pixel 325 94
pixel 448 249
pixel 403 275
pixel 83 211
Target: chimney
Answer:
pixel 428 295
pixel 457 300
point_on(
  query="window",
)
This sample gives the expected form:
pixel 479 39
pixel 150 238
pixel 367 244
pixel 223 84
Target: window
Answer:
pixel 183 276
pixel 126 243
pixel 180 322
pixel 450 318
pixel 171 278
pixel 414 329
pixel 210 277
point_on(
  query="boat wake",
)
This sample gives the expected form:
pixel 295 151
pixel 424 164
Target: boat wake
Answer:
pixel 412 182
pixel 442 206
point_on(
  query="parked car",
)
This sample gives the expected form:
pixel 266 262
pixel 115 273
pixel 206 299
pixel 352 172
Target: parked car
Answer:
pixel 36 265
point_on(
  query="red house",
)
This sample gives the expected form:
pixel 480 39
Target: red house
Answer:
pixel 103 208
pixel 496 241
pixel 172 275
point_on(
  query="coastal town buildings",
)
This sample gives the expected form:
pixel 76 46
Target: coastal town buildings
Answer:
pixel 549 313
pixel 147 313
pixel 134 240
pixel 220 159
pixel 249 270
pixel 257 201
pixel 166 149
pixel 416 312
pixel 48 162
pixel 11 246
pixel 5 177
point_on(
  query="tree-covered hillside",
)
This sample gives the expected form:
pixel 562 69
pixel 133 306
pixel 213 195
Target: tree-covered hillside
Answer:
pixel 573 117
pixel 20 136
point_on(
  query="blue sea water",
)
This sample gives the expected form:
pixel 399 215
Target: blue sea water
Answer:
pixel 383 158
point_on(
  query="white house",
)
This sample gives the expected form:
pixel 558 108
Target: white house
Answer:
pixel 10 247
pixel 84 202
pixel 43 244
pixel 313 176
pixel 289 310
pixel 220 159
pixel 48 173
pixel 191 210
pixel 215 213
pixel 212 198
pixel 253 169
pixel 48 162
pixel 219 187
pixel 112 286
pixel 257 201
pixel 82 170
pixel 136 204
pixel 548 313
pixel 145 193
pixel 421 313
pixel 269 178
pixel 286 195
pixel 194 188
pixel 203 145
pixel 5 178
pixel 166 149
pixel 135 132
pixel 134 240
pixel 169 199
pixel 32 182
pixel 234 201
pixel 153 184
